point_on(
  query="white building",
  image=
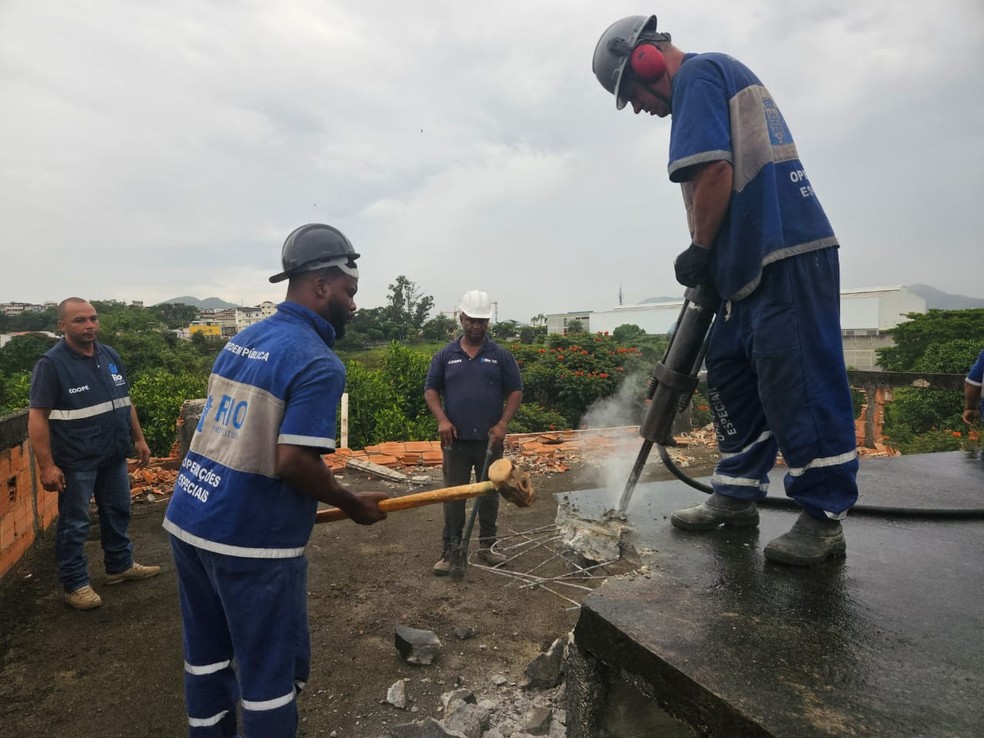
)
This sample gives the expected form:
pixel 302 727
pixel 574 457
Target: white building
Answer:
pixel 866 316
pixel 557 322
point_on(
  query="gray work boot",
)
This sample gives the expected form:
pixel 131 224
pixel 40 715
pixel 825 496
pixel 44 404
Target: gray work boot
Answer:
pixel 718 510
pixel 809 542
pixel 443 567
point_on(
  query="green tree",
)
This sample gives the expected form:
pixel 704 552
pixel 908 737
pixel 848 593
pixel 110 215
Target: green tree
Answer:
pixel 628 332
pixel 439 328
pixel 407 307
pixel 174 315
pixel 158 396
pixel 532 334
pixel 913 338
pixel 569 373
pixel 387 404
pixel 947 341
pixel 45 320
pixel 505 330
pixel 15 390
pixel 21 353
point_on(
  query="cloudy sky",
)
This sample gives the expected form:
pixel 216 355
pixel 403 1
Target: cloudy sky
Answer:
pixel 156 149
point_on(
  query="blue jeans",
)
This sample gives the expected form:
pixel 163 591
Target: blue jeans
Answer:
pixel 110 485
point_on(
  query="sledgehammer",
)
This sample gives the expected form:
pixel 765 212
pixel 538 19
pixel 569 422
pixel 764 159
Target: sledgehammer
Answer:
pixel 505 478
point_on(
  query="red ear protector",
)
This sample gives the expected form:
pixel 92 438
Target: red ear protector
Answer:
pixel 648 63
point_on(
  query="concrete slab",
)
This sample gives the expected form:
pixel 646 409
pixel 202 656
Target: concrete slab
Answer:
pixel 889 642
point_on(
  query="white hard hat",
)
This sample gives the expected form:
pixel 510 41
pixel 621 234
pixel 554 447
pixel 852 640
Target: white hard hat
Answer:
pixel 475 304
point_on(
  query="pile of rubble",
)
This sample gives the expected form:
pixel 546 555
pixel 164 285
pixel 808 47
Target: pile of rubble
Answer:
pixel 539 453
pixel 533 708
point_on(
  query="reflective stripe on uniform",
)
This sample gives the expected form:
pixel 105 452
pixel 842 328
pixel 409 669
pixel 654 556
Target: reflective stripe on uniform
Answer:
pixel 273 704
pixel 207 722
pixel 719 479
pixel 228 550
pixel 826 461
pixel 88 412
pixel 207 668
pixel 766 435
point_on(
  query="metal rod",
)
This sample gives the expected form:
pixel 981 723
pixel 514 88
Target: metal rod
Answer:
pixel 636 472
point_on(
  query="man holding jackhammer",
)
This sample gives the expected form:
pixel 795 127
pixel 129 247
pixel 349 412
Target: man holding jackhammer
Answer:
pixel 244 502
pixel 473 388
pixel 775 367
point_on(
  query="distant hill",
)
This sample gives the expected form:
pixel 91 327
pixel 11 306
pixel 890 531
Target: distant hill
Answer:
pixel 939 300
pixel 209 303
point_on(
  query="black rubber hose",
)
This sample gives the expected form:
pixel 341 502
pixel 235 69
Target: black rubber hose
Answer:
pixel 873 510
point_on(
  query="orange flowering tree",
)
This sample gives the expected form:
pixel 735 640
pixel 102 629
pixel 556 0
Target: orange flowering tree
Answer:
pixel 568 373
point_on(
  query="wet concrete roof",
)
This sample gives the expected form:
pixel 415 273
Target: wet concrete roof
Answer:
pixel 888 642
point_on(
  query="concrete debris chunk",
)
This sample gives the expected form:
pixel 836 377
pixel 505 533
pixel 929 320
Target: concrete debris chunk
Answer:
pixel 464 695
pixel 376 470
pixel 464 632
pixel 468 719
pixel 417 646
pixel 536 721
pixel 499 680
pixel 396 695
pixel 547 669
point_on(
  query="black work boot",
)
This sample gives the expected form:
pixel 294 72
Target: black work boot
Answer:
pixel 718 510
pixel 810 541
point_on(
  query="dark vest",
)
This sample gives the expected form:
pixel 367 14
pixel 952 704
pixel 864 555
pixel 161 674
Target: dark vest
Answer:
pixel 90 420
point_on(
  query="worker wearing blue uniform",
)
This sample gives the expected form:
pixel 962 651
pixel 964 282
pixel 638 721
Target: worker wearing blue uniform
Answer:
pixel 82 425
pixel 775 368
pixel 245 499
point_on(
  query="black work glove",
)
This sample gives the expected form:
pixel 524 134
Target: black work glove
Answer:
pixel 693 266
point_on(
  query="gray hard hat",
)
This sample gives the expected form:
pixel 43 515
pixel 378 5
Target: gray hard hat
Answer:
pixel 316 246
pixel 615 47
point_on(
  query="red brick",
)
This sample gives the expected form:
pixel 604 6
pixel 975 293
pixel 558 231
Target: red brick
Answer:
pixel 7 533
pixel 384 460
pixel 4 465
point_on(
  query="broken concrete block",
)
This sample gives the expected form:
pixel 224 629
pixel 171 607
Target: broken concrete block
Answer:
pixel 547 669
pixel 417 646
pixel 188 417
pixel 465 695
pixel 536 721
pixel 376 470
pixel 396 695
pixel 468 719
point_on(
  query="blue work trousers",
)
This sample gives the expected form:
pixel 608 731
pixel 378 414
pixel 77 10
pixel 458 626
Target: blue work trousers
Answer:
pixel 458 463
pixel 246 639
pixel 776 380
pixel 110 485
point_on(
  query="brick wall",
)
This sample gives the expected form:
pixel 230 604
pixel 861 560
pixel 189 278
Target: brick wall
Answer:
pixel 26 510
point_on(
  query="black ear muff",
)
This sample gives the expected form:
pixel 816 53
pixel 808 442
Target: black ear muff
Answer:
pixel 648 63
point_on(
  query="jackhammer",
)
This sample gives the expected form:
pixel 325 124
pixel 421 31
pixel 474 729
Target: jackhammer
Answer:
pixel 674 379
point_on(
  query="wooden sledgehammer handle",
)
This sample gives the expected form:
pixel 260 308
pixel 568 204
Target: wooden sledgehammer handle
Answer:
pixel 419 499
